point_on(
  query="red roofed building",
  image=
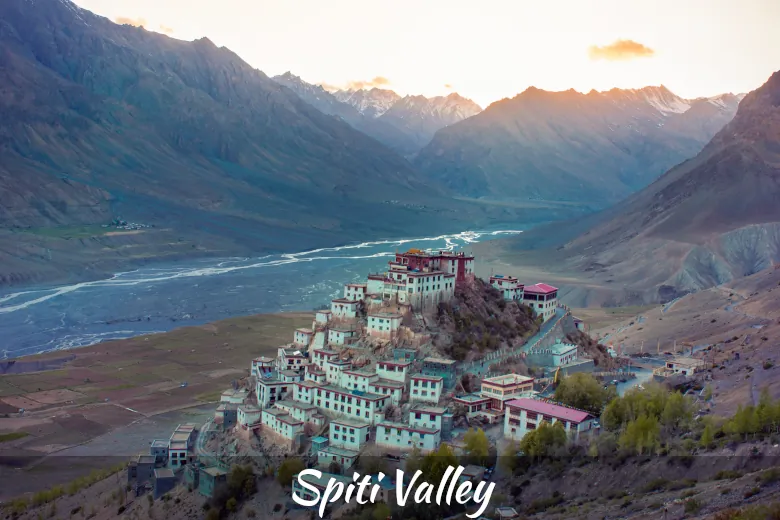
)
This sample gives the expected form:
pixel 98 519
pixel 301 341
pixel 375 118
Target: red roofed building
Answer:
pixel 459 264
pixel 525 415
pixel 542 298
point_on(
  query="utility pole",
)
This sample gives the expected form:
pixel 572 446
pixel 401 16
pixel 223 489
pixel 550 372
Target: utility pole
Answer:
pixel 642 347
pixel 659 346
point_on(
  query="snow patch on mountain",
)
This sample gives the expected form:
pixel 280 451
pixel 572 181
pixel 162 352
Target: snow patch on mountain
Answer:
pixel 371 103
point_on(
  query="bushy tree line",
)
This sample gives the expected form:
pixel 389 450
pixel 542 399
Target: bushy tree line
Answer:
pixel 755 420
pixel 585 392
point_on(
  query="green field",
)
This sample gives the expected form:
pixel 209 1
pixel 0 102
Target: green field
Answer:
pixel 8 437
pixel 69 231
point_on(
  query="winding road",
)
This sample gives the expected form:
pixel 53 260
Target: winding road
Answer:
pixel 481 366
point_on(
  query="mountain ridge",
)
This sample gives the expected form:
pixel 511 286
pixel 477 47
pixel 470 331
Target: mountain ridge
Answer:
pixel 403 123
pixel 104 120
pixel 569 146
pixel 707 221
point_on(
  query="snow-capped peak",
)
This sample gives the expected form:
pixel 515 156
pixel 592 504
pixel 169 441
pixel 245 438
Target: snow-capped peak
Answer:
pixel 371 103
pixel 665 101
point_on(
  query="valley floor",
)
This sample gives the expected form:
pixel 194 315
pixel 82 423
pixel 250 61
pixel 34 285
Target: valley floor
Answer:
pixel 114 396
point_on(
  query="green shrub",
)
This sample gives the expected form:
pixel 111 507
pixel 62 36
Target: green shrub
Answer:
pixel 727 474
pixel 542 504
pixel 769 476
pixel 692 506
pixel 657 484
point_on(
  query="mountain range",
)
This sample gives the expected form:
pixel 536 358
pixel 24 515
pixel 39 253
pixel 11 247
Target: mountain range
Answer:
pixel 594 148
pixel 404 124
pixel 103 120
pixel 214 157
pixel 709 220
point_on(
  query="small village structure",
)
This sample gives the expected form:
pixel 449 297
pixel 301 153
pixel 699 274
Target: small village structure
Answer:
pixel 358 379
pixel 542 298
pixel 524 415
pixel 510 287
pixel 680 366
pixel 556 355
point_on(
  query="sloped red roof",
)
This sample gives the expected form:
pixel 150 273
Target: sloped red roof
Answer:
pixel 540 288
pixel 563 413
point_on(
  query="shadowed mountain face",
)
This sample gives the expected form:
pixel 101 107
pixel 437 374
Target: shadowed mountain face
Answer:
pixel 421 117
pixel 404 124
pixel 329 104
pixel 707 221
pixel 101 119
pixel 596 148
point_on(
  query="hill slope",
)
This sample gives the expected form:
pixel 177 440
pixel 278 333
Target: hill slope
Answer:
pixel 597 147
pixel 416 117
pixel 705 222
pixel 102 120
pixel 327 103
pixel 421 117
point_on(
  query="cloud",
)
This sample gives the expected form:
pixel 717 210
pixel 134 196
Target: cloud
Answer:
pixel 330 87
pixel 135 22
pixel 378 81
pixel 141 22
pixel 448 86
pixel 620 50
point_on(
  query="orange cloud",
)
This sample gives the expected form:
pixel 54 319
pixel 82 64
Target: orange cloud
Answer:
pixel 135 22
pixel 448 86
pixel 378 81
pixel 330 87
pixel 620 50
pixel 165 29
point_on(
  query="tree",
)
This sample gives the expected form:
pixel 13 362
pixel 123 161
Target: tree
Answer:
pixel 677 412
pixel 744 422
pixel 241 481
pixel 545 441
pixel 585 392
pixel 290 467
pixel 477 445
pixel 231 504
pixel 372 464
pixel 508 459
pixel 642 435
pixel 381 512
pixel 414 461
pixel 707 437
pixel 435 464
pixel 767 412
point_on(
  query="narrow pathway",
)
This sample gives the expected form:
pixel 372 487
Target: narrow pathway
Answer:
pixel 481 366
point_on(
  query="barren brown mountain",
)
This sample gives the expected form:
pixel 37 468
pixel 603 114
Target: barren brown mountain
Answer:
pixel 101 120
pixel 707 221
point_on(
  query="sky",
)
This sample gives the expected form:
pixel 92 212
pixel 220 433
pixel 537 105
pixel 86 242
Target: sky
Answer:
pixel 485 50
